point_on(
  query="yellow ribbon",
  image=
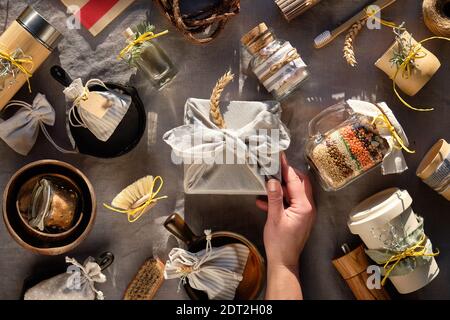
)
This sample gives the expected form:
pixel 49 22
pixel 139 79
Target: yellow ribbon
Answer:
pixel 414 54
pixel 141 39
pixel 405 68
pixel 417 250
pixel 19 64
pixel 136 213
pixel 391 128
pixel 371 14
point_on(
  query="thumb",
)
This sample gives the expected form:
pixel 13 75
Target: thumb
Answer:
pixel 275 199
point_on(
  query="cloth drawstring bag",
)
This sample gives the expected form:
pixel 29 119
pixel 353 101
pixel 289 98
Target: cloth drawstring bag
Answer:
pixel 78 283
pixel 102 127
pixel 21 130
pixel 216 271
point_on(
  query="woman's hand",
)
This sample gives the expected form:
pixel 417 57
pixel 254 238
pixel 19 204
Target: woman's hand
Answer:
pixel 286 230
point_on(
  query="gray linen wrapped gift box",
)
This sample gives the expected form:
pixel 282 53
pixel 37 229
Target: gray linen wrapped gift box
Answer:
pixel 252 128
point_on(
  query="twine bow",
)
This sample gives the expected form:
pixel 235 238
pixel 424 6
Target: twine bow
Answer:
pixel 291 56
pixel 415 52
pixel 91 273
pixel 135 213
pixel 77 93
pixel 16 60
pixel 417 250
pixel 186 270
pixel 386 123
pixel 147 36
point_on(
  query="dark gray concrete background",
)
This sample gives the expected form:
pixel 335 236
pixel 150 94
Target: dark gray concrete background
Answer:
pixel 200 66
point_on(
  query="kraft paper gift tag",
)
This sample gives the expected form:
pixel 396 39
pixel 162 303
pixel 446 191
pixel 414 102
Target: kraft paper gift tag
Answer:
pixel 426 68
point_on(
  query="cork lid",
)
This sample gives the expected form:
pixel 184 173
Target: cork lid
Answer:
pixel 254 33
pixel 128 33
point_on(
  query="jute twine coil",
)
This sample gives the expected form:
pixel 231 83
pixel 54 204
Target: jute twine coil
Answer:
pixel 436 14
pixel 211 19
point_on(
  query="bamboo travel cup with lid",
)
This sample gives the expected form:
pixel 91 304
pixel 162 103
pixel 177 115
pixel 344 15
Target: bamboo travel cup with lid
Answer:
pixel 388 225
pixel 24 46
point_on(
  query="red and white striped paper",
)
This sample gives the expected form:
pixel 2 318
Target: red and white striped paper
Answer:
pixel 96 15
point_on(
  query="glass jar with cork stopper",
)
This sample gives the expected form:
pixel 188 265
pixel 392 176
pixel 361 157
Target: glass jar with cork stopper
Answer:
pixel 146 55
pixel 275 62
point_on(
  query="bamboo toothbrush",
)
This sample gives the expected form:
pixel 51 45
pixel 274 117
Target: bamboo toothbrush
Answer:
pixel 328 36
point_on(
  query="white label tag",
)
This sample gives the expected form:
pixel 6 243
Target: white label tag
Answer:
pixel 96 104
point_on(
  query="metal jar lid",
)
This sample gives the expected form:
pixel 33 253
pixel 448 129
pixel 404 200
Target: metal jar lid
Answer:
pixel 40 28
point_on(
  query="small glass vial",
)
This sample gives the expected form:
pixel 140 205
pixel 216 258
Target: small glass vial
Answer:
pixel 343 146
pixel 275 62
pixel 152 60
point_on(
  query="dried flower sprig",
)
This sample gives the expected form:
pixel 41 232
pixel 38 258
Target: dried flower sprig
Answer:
pixel 403 48
pixel 136 50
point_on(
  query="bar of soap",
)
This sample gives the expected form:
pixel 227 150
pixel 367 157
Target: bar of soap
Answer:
pixel 426 68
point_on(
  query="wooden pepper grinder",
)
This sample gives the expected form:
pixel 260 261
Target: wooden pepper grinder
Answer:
pixel 24 46
pixel 353 268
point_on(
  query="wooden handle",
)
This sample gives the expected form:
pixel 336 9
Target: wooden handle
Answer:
pixel 176 225
pixel 359 16
pixel 353 267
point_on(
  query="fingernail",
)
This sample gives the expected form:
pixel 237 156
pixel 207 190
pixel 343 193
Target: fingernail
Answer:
pixel 272 185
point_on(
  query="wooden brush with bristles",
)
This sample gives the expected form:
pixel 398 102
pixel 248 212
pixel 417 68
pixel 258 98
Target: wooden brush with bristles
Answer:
pixel 138 198
pixel 147 281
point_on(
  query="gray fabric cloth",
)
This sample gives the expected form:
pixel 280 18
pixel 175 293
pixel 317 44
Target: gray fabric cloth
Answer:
pixel 234 160
pixel 21 130
pixel 331 80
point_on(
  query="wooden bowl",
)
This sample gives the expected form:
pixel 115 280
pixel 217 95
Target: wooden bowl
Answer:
pixel 32 241
pixel 255 270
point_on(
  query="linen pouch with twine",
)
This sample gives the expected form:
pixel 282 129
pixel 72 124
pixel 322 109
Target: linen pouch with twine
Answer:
pixel 78 283
pixel 216 271
pixel 98 111
pixel 390 129
pixel 250 134
pixel 21 130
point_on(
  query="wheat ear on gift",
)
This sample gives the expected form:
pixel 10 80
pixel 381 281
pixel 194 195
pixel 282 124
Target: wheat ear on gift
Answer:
pixel 349 50
pixel 216 115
